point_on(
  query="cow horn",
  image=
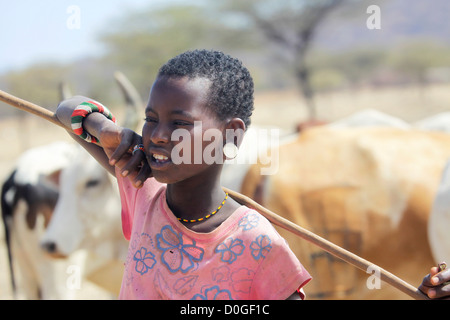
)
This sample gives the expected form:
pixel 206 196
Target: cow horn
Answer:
pixel 132 99
pixel 64 91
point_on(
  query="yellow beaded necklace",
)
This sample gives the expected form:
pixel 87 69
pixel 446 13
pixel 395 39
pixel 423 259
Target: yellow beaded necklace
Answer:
pixel 209 215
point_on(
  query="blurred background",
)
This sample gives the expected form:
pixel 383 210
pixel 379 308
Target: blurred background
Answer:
pixel 310 59
pixel 316 50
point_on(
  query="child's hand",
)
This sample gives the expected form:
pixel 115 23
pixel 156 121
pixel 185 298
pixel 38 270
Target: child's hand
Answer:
pixel 118 143
pixel 437 283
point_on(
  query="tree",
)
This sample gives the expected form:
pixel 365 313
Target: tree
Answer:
pixel 290 25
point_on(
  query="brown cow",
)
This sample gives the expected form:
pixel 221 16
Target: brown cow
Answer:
pixel 369 190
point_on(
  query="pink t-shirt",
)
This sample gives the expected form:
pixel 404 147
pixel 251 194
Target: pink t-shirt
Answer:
pixel 244 258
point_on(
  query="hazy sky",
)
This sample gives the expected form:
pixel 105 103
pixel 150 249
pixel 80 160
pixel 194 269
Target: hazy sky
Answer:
pixel 56 30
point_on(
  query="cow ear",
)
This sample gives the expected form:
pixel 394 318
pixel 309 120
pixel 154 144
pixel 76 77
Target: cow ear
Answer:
pixel 30 217
pixel 53 178
pixel 32 205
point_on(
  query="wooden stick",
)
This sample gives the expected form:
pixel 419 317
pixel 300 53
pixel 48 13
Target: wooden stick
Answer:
pixel 29 107
pixel 271 216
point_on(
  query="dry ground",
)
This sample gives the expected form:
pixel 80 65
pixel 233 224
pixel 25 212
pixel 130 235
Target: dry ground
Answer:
pixel 282 108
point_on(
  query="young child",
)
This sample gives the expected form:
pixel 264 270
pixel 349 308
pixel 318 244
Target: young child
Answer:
pixel 188 239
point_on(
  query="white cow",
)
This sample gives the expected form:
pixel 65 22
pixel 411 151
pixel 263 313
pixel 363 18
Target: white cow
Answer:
pixel 84 229
pixel 88 216
pixel 438 122
pixel 370 118
pixel 28 197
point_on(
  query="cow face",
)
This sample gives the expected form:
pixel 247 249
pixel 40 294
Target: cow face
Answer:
pixel 88 208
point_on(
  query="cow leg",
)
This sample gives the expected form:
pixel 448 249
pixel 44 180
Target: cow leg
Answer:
pixel 55 287
pixel 21 239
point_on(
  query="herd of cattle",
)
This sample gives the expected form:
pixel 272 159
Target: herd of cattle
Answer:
pixel 370 183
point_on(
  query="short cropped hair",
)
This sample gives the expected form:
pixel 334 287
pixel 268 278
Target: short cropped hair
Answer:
pixel 231 90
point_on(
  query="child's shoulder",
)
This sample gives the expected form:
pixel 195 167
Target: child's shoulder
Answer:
pixel 255 224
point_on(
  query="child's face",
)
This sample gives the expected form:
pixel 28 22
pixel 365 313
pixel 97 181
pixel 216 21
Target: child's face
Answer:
pixel 178 107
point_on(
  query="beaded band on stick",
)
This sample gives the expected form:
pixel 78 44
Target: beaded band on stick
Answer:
pixel 81 112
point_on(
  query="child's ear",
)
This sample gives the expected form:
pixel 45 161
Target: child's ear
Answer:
pixel 234 131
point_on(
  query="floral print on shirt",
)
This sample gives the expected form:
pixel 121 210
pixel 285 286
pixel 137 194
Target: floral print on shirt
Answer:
pixel 260 247
pixel 145 260
pixel 230 249
pixel 177 255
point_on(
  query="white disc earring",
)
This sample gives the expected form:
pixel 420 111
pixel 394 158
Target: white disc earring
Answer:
pixel 230 150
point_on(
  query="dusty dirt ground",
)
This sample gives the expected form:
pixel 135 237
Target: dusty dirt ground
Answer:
pixel 284 109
